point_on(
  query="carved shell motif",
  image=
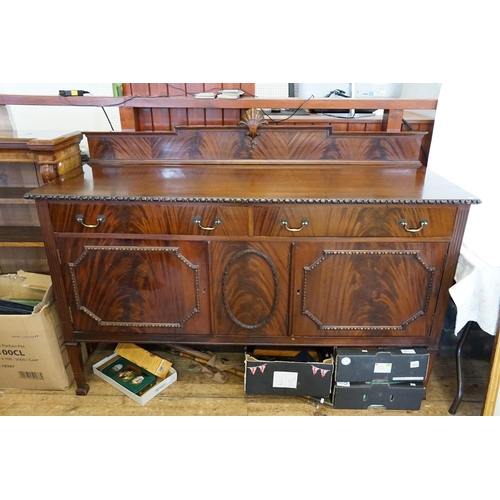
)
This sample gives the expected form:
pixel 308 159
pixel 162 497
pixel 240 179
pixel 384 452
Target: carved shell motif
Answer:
pixel 253 119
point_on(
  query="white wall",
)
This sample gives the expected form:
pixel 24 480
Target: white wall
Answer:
pixel 464 151
pixel 61 118
pixel 410 90
pixel 421 90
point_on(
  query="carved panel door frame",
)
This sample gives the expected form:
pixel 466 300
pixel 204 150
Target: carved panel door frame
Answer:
pixel 138 286
pixel 365 289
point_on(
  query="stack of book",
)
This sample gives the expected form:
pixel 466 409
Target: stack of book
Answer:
pixel 17 306
pixel 230 94
pixel 205 95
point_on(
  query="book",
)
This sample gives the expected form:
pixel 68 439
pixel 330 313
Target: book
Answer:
pixel 131 376
pixel 230 94
pixel 17 306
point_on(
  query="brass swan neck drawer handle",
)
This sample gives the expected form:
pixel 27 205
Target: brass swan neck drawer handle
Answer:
pixel 284 223
pixel 100 219
pixel 217 222
pixel 423 223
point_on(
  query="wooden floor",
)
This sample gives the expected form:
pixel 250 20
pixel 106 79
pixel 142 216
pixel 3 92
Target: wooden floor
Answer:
pixel 197 393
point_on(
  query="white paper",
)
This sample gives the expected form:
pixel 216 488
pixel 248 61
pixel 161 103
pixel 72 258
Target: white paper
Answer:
pixel 407 378
pixel 286 380
pixel 382 368
pixel 476 292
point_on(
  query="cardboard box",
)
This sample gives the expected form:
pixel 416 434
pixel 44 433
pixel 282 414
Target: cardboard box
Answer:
pixel 145 359
pixel 297 378
pixel 393 365
pixel 161 383
pixel 32 354
pixel 359 396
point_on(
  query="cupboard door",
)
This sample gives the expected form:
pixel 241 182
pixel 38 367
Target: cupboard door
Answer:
pixel 138 286
pixel 250 288
pixel 365 289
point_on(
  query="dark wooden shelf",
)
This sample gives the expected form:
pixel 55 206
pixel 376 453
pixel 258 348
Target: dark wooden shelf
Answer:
pixel 16 236
pixel 11 195
pixel 191 102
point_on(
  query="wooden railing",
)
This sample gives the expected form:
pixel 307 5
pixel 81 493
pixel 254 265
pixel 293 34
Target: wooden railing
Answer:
pixel 391 121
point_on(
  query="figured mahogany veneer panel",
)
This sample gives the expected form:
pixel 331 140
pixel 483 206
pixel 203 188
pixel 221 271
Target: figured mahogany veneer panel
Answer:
pixel 233 143
pixel 150 219
pixel 367 290
pixel 362 221
pixel 250 288
pixel 377 289
pixel 136 286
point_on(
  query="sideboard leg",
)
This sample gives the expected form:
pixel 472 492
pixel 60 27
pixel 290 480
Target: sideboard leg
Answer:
pixel 76 359
pixel 460 383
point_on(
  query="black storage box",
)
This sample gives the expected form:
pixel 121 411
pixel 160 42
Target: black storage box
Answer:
pixel 288 377
pixel 359 396
pixel 392 365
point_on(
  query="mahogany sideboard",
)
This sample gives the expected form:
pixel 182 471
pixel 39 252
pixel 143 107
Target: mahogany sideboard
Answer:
pixel 252 235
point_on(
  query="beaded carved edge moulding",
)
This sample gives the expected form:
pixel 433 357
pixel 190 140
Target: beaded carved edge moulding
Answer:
pixel 303 201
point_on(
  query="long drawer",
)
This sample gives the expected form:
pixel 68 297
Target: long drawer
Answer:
pixel 355 220
pixel 150 218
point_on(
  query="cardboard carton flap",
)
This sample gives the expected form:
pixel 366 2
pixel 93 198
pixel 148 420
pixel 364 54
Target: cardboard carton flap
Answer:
pixel 23 285
pixel 35 281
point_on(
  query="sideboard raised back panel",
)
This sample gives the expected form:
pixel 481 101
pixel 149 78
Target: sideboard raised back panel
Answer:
pixel 277 144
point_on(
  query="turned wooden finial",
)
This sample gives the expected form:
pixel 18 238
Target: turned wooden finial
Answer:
pixel 48 172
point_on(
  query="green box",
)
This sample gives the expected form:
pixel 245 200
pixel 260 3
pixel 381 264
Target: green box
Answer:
pixel 129 375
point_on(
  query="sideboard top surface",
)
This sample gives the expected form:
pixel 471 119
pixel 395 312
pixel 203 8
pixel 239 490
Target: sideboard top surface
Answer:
pixel 256 183
pixel 24 137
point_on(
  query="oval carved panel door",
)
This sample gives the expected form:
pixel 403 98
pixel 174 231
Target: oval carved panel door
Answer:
pixel 138 286
pixel 250 288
